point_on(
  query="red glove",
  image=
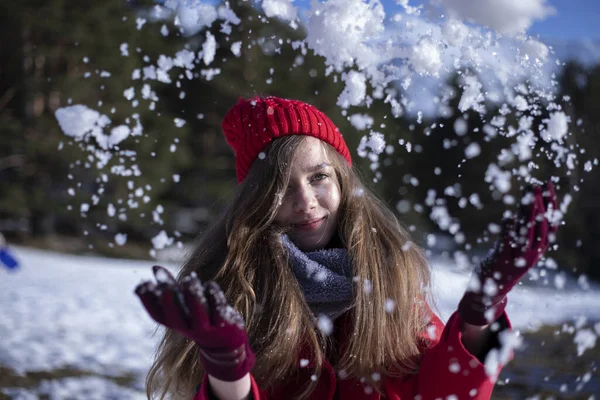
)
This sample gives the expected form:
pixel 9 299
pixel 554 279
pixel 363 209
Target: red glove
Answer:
pixel 200 313
pixel 522 243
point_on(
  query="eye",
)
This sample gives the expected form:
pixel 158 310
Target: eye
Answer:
pixel 319 177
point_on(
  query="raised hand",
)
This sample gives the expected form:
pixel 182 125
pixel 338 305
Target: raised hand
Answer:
pixel 523 241
pixel 200 313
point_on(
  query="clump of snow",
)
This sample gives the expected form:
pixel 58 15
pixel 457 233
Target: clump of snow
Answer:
pixel 440 215
pixel 226 13
pixel 121 239
pixel 585 339
pixel 557 127
pixel 283 9
pixel 520 103
pixel 361 121
pixel 195 17
pixel 460 126
pixel 340 31
pixel 161 240
pixel 375 142
pixel 236 48
pixel 403 206
pixel 454 367
pixel 509 340
pixel 140 22
pixel 209 49
pixel 523 146
pixel 79 122
pixel 472 96
pixel 325 324
pixel 355 91
pixel 425 58
pixel 124 49
pixel 472 150
pixel 117 135
pixel 129 93
pixel 184 58
pixel 499 178
pixel 390 305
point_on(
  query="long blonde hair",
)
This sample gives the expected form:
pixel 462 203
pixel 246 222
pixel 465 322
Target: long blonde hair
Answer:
pixel 244 254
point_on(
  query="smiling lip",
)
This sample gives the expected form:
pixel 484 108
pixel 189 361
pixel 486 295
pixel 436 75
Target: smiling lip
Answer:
pixel 310 225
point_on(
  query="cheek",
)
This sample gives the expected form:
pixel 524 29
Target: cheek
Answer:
pixel 328 196
pixel 335 198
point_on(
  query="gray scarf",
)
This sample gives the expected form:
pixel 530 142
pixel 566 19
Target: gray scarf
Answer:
pixel 325 277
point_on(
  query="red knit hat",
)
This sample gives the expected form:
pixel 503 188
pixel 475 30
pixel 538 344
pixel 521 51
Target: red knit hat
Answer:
pixel 252 124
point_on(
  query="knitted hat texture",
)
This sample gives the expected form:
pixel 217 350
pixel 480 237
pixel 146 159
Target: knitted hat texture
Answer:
pixel 252 124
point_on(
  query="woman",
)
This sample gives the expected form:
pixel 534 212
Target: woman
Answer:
pixel 314 290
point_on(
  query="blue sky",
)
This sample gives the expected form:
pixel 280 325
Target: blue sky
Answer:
pixel 574 19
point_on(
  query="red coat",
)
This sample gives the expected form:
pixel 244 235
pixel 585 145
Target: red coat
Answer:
pixel 447 371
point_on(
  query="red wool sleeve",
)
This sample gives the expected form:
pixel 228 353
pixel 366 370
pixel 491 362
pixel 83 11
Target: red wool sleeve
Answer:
pixel 447 368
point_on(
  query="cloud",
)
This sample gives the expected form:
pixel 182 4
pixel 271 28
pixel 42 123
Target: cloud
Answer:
pixel 505 16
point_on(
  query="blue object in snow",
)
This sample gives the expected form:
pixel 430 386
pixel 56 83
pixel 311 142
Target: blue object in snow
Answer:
pixel 8 259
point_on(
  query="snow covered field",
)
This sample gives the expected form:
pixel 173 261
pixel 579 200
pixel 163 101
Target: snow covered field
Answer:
pixel 61 310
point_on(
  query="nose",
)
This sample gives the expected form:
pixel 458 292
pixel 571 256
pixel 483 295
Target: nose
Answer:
pixel 304 199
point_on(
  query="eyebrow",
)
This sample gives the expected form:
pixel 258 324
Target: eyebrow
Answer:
pixel 318 167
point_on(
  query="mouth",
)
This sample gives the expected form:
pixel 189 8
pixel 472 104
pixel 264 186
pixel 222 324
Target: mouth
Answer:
pixel 309 225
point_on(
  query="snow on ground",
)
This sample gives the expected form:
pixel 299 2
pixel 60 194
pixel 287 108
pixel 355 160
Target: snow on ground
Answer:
pixel 528 307
pixel 89 388
pixel 61 310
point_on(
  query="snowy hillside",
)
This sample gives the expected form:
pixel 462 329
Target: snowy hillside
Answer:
pixel 61 310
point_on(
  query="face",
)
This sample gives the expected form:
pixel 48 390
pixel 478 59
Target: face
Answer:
pixel 310 205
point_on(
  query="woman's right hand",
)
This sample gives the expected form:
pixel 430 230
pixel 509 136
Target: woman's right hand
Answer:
pixel 200 313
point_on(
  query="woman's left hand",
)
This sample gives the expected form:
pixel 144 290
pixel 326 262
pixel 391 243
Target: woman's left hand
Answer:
pixel 523 241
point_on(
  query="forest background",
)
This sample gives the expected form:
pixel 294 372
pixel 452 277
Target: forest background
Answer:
pixel 54 195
